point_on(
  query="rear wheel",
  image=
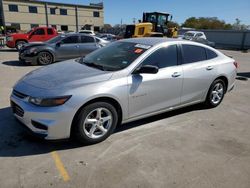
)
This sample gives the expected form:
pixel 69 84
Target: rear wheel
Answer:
pixel 19 44
pixel 95 123
pixel 216 93
pixel 44 58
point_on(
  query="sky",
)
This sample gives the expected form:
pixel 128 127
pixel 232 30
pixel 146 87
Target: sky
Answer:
pixel 126 10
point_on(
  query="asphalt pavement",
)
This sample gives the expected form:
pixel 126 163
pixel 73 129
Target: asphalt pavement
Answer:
pixel 191 147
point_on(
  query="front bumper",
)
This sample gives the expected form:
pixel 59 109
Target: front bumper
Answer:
pixel 50 123
pixel 31 59
pixel 10 44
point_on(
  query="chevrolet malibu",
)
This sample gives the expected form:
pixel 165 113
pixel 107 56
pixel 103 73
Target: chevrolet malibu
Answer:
pixel 125 81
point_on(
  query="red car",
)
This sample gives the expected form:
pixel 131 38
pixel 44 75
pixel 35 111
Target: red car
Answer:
pixel 17 40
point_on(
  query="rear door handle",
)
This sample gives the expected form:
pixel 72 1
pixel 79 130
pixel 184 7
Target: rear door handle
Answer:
pixel 210 68
pixel 176 74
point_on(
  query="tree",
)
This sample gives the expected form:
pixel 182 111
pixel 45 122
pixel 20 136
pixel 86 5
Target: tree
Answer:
pixel 206 23
pixel 238 26
pixel 107 26
pixel 172 24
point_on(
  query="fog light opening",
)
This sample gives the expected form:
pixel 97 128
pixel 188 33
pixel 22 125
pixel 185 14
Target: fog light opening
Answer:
pixel 39 125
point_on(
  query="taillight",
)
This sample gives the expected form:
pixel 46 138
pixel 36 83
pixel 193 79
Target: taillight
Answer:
pixel 236 65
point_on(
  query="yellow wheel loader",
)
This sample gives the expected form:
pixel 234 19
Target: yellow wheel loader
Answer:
pixel 154 24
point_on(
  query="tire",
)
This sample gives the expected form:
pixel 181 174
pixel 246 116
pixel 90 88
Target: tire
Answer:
pixel 95 123
pixel 44 58
pixel 215 94
pixel 19 44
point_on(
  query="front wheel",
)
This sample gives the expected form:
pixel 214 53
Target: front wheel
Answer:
pixel 216 93
pixel 95 123
pixel 44 58
pixel 20 44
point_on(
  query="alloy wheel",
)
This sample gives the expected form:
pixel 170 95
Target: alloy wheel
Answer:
pixel 45 58
pixel 97 123
pixel 217 93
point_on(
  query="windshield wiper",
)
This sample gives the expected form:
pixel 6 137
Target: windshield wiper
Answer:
pixel 100 67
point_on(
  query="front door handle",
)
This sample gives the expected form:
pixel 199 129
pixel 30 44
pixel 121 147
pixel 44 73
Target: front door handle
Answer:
pixel 210 68
pixel 77 46
pixel 176 74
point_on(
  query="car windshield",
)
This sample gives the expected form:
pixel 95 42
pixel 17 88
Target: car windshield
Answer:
pixel 56 39
pixel 189 34
pixel 29 31
pixel 87 32
pixel 115 56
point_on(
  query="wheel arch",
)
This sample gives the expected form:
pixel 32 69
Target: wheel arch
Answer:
pixel 50 52
pixel 225 79
pixel 18 40
pixel 109 100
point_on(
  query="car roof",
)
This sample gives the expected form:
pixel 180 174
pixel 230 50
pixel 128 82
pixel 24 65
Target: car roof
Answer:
pixel 194 32
pixel 73 34
pixel 86 31
pixel 151 41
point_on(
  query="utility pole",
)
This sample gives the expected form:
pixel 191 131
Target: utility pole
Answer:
pixel 76 13
pixel 2 23
pixel 134 20
pixel 46 14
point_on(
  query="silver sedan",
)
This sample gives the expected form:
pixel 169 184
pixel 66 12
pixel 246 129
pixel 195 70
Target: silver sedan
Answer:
pixel 62 47
pixel 122 82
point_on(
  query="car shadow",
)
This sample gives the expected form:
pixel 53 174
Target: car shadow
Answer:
pixel 7 50
pixel 14 63
pixel 154 118
pixel 16 142
pixel 244 74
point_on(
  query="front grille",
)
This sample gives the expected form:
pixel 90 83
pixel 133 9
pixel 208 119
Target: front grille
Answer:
pixel 17 109
pixel 19 95
pixel 22 51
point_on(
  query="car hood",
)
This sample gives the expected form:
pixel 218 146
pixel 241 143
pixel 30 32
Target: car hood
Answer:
pixel 34 44
pixel 19 35
pixel 68 74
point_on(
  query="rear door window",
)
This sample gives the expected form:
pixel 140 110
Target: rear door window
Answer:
pixel 87 39
pixel 163 57
pixel 50 31
pixel 39 32
pixel 192 53
pixel 70 40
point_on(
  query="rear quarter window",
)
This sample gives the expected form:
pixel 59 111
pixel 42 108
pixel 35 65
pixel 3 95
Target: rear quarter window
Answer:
pixel 211 54
pixel 192 53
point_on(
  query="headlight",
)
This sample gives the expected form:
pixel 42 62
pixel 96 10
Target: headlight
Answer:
pixel 32 50
pixel 9 38
pixel 49 102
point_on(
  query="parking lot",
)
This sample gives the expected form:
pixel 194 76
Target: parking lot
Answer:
pixel 191 147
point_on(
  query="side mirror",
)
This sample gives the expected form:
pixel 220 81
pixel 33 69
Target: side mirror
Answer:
pixel 58 44
pixel 171 17
pixel 147 69
pixel 31 35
